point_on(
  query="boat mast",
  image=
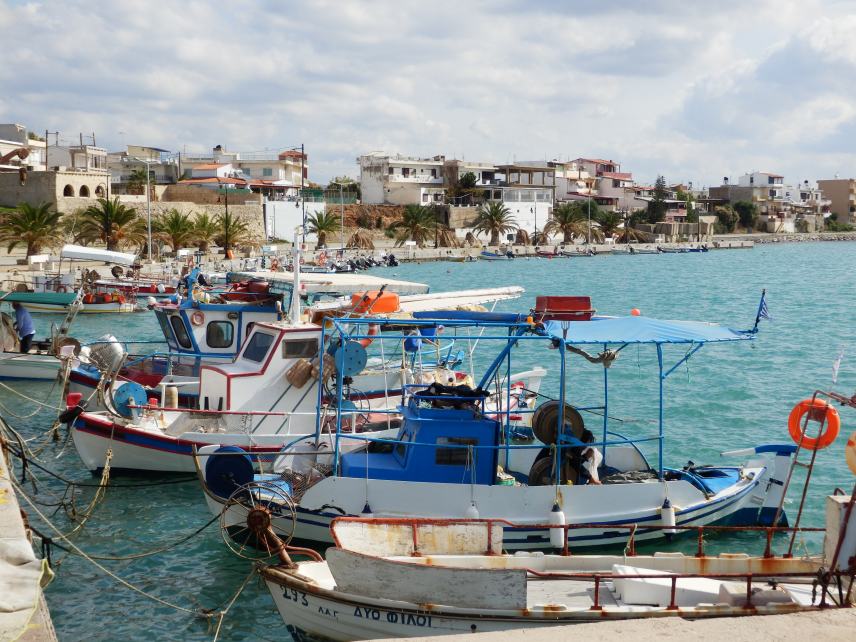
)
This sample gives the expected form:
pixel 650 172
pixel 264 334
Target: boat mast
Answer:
pixel 294 314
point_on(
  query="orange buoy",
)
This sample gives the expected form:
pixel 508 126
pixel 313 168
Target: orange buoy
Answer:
pixel 636 312
pixel 818 410
pixel 367 341
pixel 374 301
pixel 197 318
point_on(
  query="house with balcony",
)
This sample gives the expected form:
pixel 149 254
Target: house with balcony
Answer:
pixel 602 181
pixel 841 194
pixel 277 175
pixel 781 207
pixel 401 180
pixel 161 164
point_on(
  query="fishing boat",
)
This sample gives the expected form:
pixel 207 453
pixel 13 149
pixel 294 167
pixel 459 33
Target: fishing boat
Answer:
pixel 578 252
pixel 547 254
pixel 46 357
pixel 396 578
pixel 56 292
pixel 496 256
pixel 204 328
pixel 672 250
pixel 479 462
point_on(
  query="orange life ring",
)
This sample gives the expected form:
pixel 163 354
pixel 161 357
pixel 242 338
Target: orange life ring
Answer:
pixel 197 318
pixel 819 411
pixel 302 261
pixel 373 330
pixel 274 265
pixel 850 453
pixel 322 259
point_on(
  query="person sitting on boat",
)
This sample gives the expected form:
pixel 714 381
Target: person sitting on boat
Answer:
pixel 24 325
pixel 587 460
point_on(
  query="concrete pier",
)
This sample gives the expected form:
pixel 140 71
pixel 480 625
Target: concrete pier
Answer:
pixel 827 625
pixel 24 615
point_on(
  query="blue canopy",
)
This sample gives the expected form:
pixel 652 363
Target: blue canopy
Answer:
pixel 624 330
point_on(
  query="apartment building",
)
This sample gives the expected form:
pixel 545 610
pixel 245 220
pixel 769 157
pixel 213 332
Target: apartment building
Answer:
pixel 289 168
pixel 841 193
pixel 161 164
pixel 402 180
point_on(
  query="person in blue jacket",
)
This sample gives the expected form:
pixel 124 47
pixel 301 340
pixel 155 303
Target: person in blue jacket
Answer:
pixel 25 326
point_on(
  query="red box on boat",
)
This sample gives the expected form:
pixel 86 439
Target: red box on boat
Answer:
pixel 564 308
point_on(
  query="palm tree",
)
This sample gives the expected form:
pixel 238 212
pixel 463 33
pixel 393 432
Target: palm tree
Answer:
pixel 34 225
pixel 417 223
pixel 322 224
pixel 361 239
pixel 571 219
pixel 205 229
pixel 231 231
pixel 494 218
pixel 174 228
pixel 112 223
pixel 137 181
pixel 609 222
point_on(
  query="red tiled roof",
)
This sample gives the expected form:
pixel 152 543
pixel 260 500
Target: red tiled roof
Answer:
pixel 209 166
pixel 290 154
pixel 622 176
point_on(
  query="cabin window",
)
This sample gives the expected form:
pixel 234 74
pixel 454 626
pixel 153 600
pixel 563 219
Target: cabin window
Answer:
pixel 300 348
pixel 164 324
pixel 220 334
pixel 180 332
pixel 258 346
pixel 457 454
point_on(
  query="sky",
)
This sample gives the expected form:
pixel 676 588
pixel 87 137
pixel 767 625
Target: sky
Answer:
pixel 691 90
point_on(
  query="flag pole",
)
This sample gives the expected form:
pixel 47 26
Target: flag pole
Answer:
pixel 762 311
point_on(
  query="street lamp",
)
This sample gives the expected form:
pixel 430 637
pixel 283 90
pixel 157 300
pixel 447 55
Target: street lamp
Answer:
pixel 588 229
pixel 342 206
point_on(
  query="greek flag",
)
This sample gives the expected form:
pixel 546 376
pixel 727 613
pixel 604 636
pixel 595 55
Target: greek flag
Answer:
pixel 763 311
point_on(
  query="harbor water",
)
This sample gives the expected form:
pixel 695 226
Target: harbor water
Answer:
pixel 726 397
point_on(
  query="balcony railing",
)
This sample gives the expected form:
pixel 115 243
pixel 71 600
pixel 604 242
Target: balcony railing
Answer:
pixel 415 178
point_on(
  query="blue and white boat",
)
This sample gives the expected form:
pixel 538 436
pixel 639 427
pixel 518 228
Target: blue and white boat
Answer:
pixel 496 256
pixel 454 457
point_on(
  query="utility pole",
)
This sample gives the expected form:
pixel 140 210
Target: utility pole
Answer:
pixel 302 195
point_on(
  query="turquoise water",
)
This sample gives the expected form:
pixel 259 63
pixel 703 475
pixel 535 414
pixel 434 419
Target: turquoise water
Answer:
pixel 728 396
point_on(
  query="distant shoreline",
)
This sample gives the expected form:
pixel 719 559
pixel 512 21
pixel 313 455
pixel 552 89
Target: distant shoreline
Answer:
pixel 801 237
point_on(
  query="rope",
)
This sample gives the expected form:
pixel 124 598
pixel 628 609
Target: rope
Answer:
pixel 223 612
pixel 135 556
pixel 101 567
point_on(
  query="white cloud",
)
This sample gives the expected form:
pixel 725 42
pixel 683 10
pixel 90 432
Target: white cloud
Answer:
pixel 686 89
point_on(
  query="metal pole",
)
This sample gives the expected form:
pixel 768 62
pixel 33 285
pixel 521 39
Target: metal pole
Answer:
pixel 149 209
pixel 342 205
pixel 302 195
pixel 588 229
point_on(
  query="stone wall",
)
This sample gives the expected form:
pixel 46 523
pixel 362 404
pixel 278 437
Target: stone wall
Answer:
pixel 50 187
pixel 203 195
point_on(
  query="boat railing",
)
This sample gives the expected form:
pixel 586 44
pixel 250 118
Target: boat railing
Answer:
pixel 632 530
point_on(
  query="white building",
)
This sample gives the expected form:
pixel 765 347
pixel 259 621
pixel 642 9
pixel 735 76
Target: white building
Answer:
pixel 289 168
pixel 401 180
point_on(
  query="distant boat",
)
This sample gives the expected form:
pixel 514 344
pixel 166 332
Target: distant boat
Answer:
pixel 496 256
pixel 548 255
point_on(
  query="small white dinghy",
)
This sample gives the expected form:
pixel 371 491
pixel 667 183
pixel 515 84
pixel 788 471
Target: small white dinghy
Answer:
pixel 411 577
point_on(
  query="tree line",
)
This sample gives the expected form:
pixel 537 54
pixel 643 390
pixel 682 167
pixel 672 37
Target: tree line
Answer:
pixel 119 227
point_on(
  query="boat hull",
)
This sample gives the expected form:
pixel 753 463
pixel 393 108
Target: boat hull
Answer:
pixel 40 367
pixel 605 506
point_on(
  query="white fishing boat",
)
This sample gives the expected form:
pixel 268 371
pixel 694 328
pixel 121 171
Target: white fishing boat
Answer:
pixel 453 456
pixel 395 578
pixel 45 358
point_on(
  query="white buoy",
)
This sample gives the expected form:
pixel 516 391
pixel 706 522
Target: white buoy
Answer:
pixel 557 535
pixel 151 302
pixel 472 511
pixel 667 517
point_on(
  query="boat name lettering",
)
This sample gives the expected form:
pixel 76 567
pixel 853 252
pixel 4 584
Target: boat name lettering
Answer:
pixel 295 596
pixel 323 610
pixel 408 619
pixel 367 613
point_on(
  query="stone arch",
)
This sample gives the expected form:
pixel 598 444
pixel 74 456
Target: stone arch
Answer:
pixel 84 191
pixel 99 191
pixel 68 191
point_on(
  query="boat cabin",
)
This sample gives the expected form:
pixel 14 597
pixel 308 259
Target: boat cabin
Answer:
pixel 461 444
